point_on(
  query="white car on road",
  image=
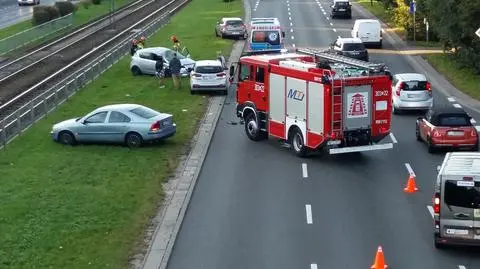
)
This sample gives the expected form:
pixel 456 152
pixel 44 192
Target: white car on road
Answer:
pixel 411 91
pixel 209 75
pixel 143 61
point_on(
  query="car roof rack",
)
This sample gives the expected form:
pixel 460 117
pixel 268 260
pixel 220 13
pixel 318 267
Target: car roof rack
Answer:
pixel 373 68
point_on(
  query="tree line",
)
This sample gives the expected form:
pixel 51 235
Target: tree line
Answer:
pixel 451 22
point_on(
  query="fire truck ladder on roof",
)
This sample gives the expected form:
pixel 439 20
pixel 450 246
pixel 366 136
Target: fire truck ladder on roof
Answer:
pixel 371 67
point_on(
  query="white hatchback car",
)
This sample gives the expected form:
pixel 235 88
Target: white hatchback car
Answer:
pixel 411 91
pixel 143 61
pixel 209 75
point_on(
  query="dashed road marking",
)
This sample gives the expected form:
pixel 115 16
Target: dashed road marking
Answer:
pixel 457 105
pixel 328 18
pixel 289 18
pixel 462 267
pixel 394 139
pixel 430 210
pixel 313 266
pixel 409 169
pixel 335 30
pixel 288 8
pixel 289 14
pixel 291 24
pixel 256 5
pixel 292 38
pixel 331 24
pixel 293 45
pixel 308 209
pixel 325 13
pixel 451 99
pixel 291 30
pixel 304 170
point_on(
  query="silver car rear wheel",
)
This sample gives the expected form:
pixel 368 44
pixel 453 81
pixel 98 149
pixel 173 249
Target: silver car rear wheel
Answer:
pixel 133 140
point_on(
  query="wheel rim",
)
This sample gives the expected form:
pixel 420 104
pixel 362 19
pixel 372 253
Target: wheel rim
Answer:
pixel 66 138
pixel 252 128
pixel 133 140
pixel 297 142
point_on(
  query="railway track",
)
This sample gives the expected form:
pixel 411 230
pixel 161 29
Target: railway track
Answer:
pixel 33 74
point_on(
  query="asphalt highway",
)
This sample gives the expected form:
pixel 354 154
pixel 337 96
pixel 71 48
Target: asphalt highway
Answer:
pixel 257 206
pixel 11 13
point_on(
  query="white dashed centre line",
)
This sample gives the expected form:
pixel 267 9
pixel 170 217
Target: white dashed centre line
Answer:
pixel 394 139
pixel 462 267
pixel 430 209
pixel 308 209
pixel 289 18
pixel 328 18
pixel 457 105
pixel 288 9
pixel 292 37
pixel 451 99
pixel 304 170
pixel 291 30
pixel 409 169
pixel 313 266
pixel 289 14
pixel 335 30
pixel 331 24
pixel 293 45
pixel 291 24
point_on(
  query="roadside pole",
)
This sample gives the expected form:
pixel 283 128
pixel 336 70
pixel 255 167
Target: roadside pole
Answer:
pixel 425 21
pixel 413 10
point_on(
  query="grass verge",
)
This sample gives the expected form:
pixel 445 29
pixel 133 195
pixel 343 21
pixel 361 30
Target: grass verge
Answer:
pixel 82 16
pixel 87 206
pixel 463 79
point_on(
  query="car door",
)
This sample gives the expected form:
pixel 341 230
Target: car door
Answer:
pixel 93 128
pixel 147 63
pixel 117 127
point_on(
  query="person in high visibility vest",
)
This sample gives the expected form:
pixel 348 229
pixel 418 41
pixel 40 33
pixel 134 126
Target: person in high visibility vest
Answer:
pixel 133 47
pixel 176 43
pixel 141 41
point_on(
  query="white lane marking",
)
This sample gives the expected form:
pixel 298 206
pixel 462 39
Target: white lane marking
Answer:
pixel 430 209
pixel 308 209
pixel 304 170
pixel 289 14
pixel 394 140
pixel 451 99
pixel 457 105
pixel 288 8
pixel 291 30
pixel 289 18
pixel 292 37
pixel 328 18
pixel 331 24
pixel 313 266
pixel 291 24
pixel 409 169
pixel 293 45
pixel 335 30
pixel 325 13
pixel 256 5
pixel 462 267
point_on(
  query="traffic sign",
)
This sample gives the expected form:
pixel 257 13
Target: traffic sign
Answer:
pixel 413 7
pixel 478 32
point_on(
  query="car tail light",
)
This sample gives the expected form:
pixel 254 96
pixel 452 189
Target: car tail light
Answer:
pixel 155 126
pixel 429 88
pixel 436 203
pixel 436 134
pixel 222 75
pixel 473 133
pixel 399 88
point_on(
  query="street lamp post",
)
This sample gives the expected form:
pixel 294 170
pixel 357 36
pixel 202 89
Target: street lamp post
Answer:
pixel 413 10
pixel 425 21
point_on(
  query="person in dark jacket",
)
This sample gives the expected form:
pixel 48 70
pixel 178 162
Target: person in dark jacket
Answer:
pixel 175 66
pixel 159 70
pixel 134 47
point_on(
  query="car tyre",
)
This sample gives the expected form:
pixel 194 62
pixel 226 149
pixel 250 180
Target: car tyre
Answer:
pixel 380 45
pixel 297 143
pixel 417 133
pixel 436 243
pixel 136 71
pixel 251 128
pixel 475 148
pixel 67 138
pixel 133 140
pixel 395 110
pixel 430 146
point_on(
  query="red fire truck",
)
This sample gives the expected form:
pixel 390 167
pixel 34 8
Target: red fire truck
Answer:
pixel 314 100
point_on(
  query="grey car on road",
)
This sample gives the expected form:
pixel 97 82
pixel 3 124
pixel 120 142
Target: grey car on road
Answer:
pixel 231 27
pixel 129 124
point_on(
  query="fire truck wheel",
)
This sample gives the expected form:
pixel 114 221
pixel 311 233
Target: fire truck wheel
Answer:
pixel 251 128
pixel 298 145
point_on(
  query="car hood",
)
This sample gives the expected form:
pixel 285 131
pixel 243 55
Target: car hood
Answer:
pixel 187 62
pixel 65 123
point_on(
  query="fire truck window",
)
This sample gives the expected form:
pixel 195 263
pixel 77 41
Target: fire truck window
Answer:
pixel 244 72
pixel 259 77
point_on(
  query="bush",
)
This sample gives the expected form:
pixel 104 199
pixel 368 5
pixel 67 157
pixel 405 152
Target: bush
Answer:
pixel 65 7
pixel 40 15
pixel 96 2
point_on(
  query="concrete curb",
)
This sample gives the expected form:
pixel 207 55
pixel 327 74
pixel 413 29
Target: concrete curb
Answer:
pixel 179 190
pixel 438 81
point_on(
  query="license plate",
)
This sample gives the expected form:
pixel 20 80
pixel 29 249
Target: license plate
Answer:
pixel 455 133
pixel 342 9
pixel 411 95
pixel 236 33
pixel 457 232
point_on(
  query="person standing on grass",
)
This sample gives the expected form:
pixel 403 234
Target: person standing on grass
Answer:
pixel 141 42
pixel 134 47
pixel 159 70
pixel 175 66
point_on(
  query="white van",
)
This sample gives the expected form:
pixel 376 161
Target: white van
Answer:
pixel 369 31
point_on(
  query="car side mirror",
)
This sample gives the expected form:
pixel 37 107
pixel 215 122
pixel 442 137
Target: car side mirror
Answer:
pixel 283 34
pixel 232 71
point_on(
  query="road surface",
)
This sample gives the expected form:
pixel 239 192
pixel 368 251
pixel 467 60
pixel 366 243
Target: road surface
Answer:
pixel 11 13
pixel 258 206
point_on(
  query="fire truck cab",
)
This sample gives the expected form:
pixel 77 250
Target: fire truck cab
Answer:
pixel 314 100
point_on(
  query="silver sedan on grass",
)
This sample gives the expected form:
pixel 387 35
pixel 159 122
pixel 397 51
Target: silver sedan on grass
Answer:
pixel 128 124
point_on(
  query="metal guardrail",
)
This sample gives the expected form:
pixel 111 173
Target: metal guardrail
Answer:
pixel 35 33
pixel 33 111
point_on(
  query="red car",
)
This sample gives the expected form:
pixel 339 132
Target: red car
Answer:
pixel 447 127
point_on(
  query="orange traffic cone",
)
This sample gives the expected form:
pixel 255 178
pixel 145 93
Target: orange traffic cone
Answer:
pixel 411 186
pixel 379 260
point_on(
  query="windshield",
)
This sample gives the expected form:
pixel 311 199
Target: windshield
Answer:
pixel 456 194
pixel 169 55
pixel 454 121
pixel 415 86
pixel 270 37
pixel 208 69
pixel 353 46
pixel 341 4
pixel 234 23
pixel 144 112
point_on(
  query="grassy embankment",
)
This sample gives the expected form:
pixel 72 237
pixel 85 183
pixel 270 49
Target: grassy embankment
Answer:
pixel 87 206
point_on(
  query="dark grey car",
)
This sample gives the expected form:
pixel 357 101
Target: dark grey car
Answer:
pixel 350 47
